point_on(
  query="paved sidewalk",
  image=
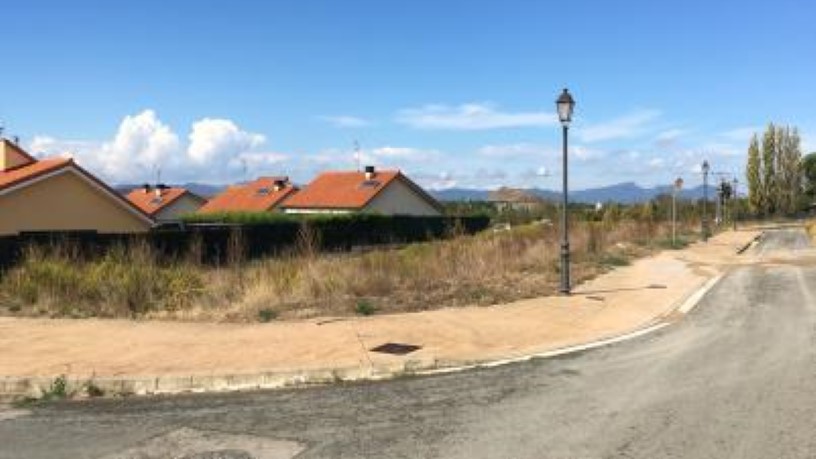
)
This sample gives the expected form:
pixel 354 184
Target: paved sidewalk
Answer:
pixel 153 357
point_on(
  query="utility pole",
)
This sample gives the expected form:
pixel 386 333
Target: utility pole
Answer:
pixel 704 220
pixel 678 184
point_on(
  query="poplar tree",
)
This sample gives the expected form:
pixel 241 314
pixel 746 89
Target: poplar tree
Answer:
pixel 769 163
pixel 789 183
pixel 753 172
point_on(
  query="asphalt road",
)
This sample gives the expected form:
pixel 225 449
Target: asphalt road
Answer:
pixel 734 379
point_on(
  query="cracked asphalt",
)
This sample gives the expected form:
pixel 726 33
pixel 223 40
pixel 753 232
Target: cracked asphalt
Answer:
pixel 735 378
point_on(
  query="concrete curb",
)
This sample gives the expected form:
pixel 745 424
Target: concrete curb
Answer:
pixel 12 388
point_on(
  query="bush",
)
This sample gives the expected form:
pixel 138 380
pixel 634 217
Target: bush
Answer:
pixel 267 315
pixel 365 308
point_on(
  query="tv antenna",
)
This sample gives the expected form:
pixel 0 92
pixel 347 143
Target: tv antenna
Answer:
pixel 157 171
pixel 244 169
pixel 357 157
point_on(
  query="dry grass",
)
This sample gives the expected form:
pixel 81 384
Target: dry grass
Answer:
pixel 484 269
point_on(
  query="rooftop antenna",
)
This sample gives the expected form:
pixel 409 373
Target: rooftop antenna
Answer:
pixel 2 128
pixel 244 170
pixel 157 171
pixel 357 157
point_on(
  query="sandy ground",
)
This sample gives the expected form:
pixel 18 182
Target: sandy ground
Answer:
pixel 622 300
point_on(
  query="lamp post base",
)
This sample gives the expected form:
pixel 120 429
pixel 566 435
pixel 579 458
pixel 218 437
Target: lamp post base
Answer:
pixel 564 288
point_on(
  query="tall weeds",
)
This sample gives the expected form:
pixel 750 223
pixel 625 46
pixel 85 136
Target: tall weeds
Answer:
pixel 487 268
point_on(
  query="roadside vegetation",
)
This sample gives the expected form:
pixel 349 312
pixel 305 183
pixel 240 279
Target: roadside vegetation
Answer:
pixel 483 269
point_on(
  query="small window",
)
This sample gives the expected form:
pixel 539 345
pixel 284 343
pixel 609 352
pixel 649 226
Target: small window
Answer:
pixel 370 184
pixel 263 191
pixel 156 201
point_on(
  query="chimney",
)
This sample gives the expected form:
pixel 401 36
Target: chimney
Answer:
pixel 160 189
pixel 280 184
pixel 146 188
pixel 369 172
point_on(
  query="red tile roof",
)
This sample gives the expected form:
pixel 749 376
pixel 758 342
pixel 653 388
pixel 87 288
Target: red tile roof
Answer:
pixel 257 196
pixel 149 203
pixel 349 190
pixel 39 168
pixel 11 146
pixel 30 171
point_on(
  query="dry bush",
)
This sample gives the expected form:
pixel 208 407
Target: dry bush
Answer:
pixel 486 268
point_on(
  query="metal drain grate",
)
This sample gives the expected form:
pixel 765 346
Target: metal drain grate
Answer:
pixel 396 348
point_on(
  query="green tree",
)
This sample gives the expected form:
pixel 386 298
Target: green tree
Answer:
pixel 809 176
pixel 769 178
pixel 789 171
pixel 753 172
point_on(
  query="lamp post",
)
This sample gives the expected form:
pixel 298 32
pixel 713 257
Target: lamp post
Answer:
pixel 565 105
pixel 705 169
pixel 735 209
pixel 678 185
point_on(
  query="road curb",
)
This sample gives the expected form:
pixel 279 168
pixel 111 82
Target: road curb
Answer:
pixel 12 388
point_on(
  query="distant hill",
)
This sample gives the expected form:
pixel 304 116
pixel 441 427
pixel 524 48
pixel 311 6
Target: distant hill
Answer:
pixel 626 193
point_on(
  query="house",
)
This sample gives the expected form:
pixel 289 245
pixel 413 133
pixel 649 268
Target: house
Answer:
pixel 57 195
pixel 165 204
pixel 387 192
pixel 515 199
pixel 262 195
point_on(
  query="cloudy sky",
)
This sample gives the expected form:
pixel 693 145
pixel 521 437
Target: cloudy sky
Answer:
pixel 456 93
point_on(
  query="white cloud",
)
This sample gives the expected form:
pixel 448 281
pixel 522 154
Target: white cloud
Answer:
pixel 143 143
pixel 403 153
pixel 42 145
pixel 219 139
pixel 346 121
pixel 623 127
pixel 656 163
pixel 742 134
pixel 583 153
pixel 257 160
pixel 515 150
pixel 441 181
pixel 724 149
pixel 472 116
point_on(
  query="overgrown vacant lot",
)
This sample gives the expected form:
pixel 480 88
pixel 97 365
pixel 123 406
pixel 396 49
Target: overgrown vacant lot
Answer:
pixel 485 269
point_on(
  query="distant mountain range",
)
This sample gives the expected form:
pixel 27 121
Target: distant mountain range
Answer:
pixel 626 193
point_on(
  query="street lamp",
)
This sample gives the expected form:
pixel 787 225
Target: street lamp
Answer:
pixel 735 209
pixel 705 169
pixel 565 104
pixel 678 185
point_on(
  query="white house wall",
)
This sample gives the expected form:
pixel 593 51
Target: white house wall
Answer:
pixel 399 199
pixel 181 206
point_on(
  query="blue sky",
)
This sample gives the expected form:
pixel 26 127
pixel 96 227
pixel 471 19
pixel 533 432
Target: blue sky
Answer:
pixel 456 93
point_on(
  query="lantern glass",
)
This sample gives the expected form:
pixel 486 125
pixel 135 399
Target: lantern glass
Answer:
pixel 565 105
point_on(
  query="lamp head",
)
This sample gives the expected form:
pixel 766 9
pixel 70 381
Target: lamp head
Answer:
pixel 565 105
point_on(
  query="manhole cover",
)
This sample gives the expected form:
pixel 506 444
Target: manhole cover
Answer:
pixel 396 348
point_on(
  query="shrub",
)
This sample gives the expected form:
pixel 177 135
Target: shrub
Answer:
pixel 267 315
pixel 365 308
